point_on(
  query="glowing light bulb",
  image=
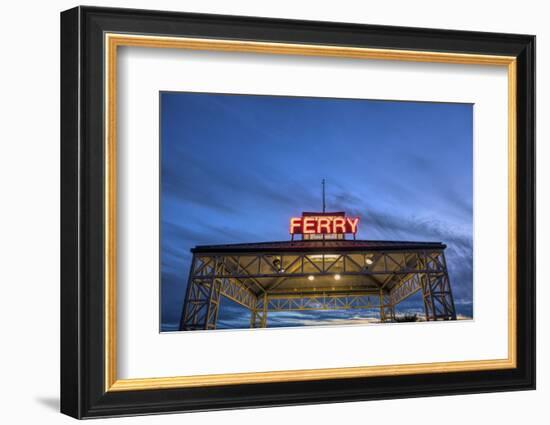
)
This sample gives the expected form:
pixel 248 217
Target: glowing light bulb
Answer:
pixel 311 277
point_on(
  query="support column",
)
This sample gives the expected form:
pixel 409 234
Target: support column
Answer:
pixel 201 305
pixel 442 300
pixel 387 308
pixel 213 305
pixel 449 299
pixel 427 297
pixel 195 309
pixel 258 318
pixel 436 290
pixel 202 299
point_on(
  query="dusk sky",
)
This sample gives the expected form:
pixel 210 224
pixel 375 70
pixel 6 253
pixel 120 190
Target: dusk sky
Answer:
pixel 235 168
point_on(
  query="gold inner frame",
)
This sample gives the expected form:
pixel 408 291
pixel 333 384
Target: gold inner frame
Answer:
pixel 113 41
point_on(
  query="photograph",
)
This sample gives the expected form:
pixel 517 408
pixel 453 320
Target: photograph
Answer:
pixel 286 211
pixel 264 210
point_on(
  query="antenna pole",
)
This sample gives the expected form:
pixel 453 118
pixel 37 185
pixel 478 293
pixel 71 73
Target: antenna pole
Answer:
pixel 324 204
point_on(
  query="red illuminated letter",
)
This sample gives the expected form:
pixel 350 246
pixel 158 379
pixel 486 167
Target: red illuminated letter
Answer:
pixel 323 225
pixel 309 225
pixel 295 224
pixel 339 225
pixel 353 224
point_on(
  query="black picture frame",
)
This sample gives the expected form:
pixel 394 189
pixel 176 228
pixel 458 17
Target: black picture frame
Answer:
pixel 83 392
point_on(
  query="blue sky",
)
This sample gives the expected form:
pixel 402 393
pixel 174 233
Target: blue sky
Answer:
pixel 235 168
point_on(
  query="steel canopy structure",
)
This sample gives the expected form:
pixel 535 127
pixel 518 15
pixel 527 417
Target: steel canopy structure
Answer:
pixel 307 275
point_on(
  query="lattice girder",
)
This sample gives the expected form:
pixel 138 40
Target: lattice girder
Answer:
pixel 263 283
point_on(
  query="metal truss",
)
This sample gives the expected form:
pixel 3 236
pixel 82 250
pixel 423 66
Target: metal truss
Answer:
pixel 387 307
pixel 258 318
pixel 325 301
pixel 255 280
pixel 257 266
pixel 202 306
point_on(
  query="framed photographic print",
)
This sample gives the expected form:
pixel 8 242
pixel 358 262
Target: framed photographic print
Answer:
pixel 261 212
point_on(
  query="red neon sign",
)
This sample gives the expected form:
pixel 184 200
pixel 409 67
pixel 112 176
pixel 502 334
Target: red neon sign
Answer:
pixel 323 225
